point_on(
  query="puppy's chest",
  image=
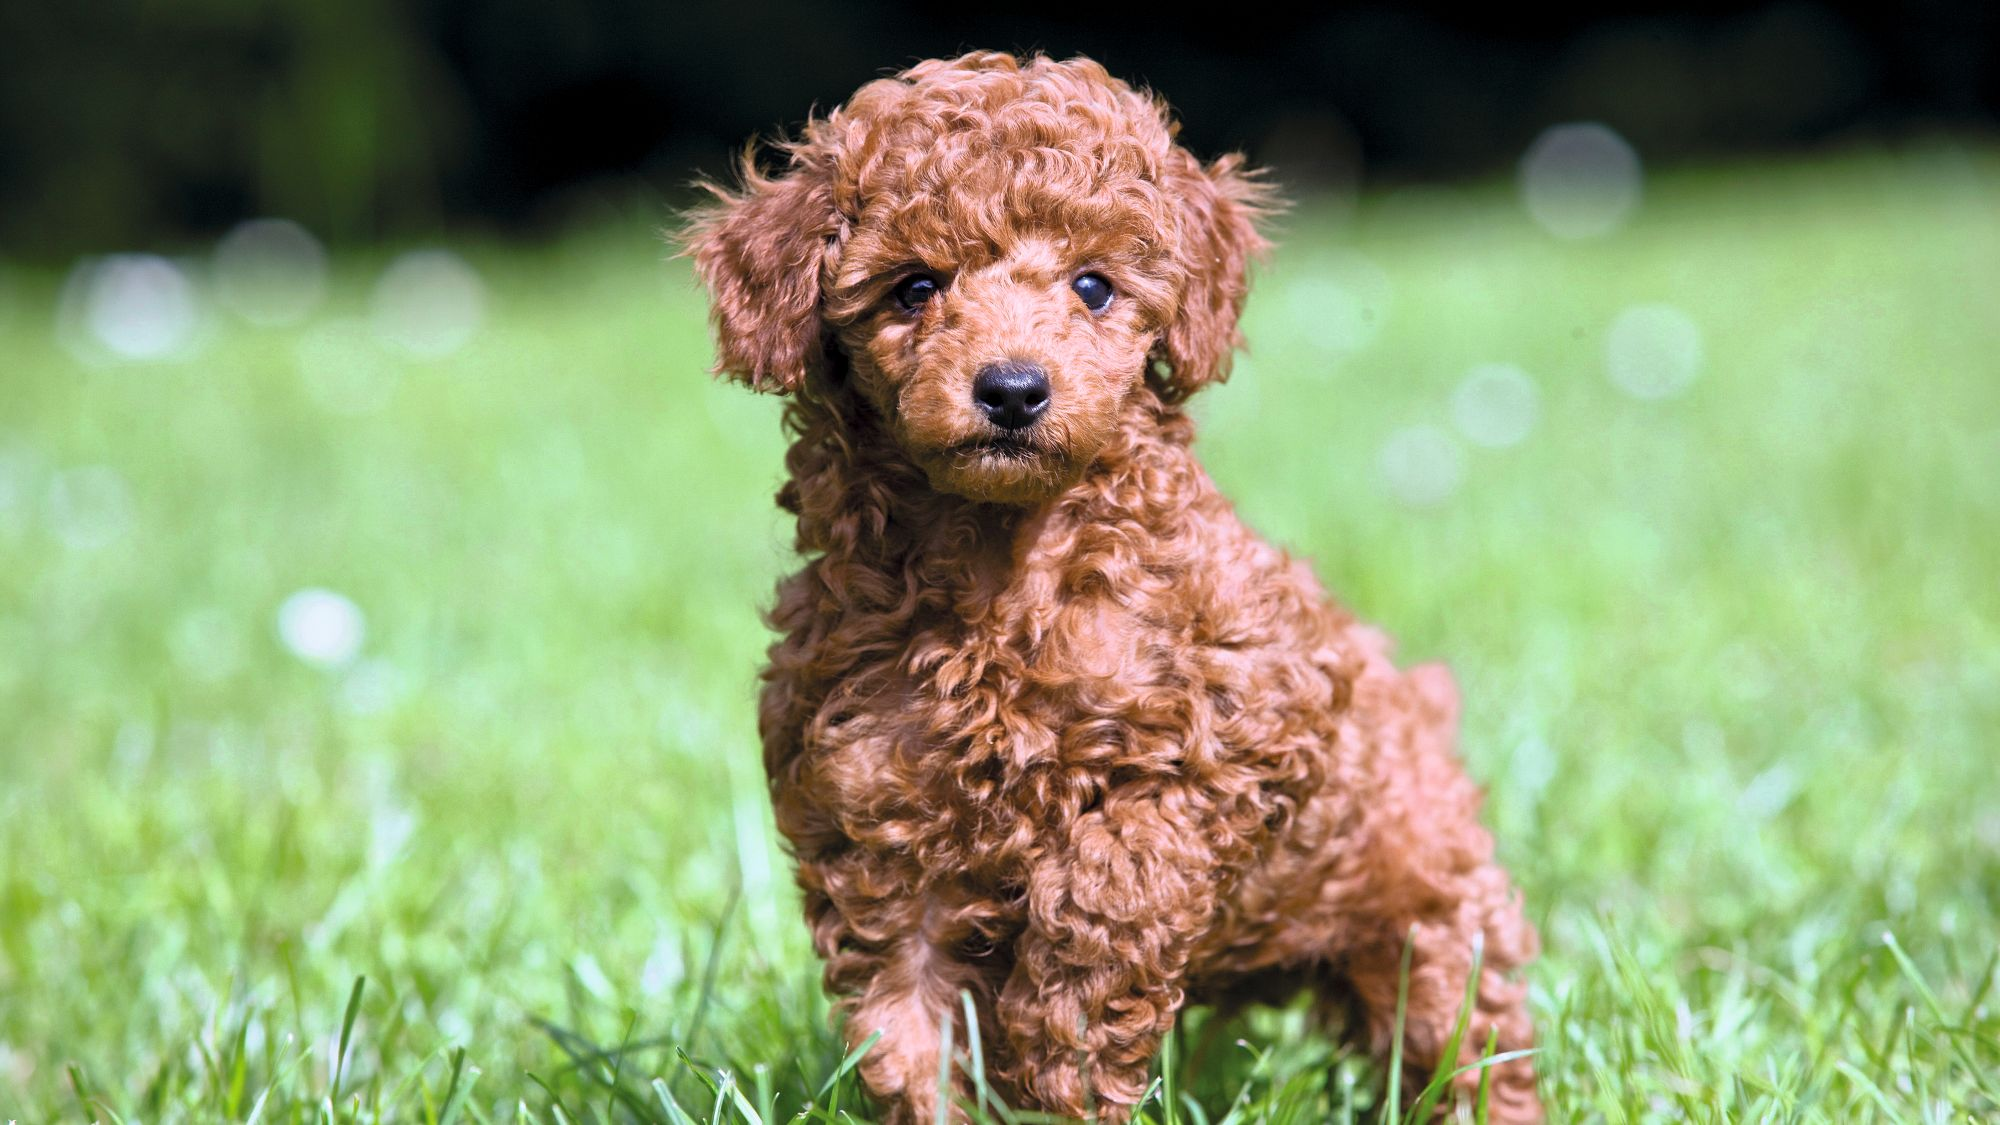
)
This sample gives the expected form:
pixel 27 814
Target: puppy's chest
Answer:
pixel 982 740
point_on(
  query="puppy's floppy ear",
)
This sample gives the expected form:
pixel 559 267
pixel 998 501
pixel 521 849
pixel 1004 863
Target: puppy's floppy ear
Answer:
pixel 761 252
pixel 1220 209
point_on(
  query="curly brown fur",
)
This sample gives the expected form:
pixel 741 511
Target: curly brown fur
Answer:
pixel 1045 721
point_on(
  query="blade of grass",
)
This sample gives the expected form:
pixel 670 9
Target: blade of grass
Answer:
pixel 743 1105
pixel 1442 1076
pixel 556 1106
pixel 257 1110
pixel 1867 1086
pixel 587 1059
pixel 675 1114
pixel 976 1053
pixel 767 1095
pixel 455 1095
pixel 1491 1061
pixel 1392 1101
pixel 852 1060
pixel 709 969
pixel 727 1087
pixel 618 1061
pixel 346 1036
pixel 1482 1105
pixel 942 1112
pixel 1985 986
pixel 239 1068
pixel 77 1087
pixel 1952 1042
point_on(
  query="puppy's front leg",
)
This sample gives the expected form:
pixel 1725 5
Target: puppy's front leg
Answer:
pixel 898 976
pixel 1097 977
pixel 908 1001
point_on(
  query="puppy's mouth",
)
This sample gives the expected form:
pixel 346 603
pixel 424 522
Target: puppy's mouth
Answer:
pixel 1003 467
pixel 996 447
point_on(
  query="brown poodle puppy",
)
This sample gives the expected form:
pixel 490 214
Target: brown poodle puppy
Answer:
pixel 1046 722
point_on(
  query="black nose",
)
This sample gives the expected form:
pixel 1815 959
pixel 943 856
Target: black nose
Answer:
pixel 1011 394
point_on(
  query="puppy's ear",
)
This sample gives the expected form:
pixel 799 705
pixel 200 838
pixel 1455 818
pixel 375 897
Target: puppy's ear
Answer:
pixel 1221 206
pixel 761 252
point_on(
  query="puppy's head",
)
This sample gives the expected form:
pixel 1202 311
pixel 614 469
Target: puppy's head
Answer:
pixel 1002 252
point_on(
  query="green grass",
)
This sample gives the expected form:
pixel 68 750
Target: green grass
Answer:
pixel 1731 661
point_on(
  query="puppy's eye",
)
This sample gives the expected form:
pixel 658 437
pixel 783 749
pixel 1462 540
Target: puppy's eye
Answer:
pixel 915 289
pixel 1093 290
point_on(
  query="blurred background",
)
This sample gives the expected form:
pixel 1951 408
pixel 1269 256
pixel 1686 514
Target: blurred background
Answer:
pixel 131 122
pixel 380 570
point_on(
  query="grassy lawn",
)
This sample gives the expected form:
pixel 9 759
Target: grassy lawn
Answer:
pixel 1731 659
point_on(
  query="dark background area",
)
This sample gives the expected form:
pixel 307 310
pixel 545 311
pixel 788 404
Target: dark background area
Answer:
pixel 130 123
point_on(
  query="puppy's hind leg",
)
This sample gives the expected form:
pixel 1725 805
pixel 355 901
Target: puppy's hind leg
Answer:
pixel 1433 997
pixel 1431 883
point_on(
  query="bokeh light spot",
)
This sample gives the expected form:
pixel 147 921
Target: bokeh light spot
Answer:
pixel 129 306
pixel 1496 406
pixel 270 272
pixel 1653 351
pixel 1421 466
pixel 1580 180
pixel 428 303
pixel 321 627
